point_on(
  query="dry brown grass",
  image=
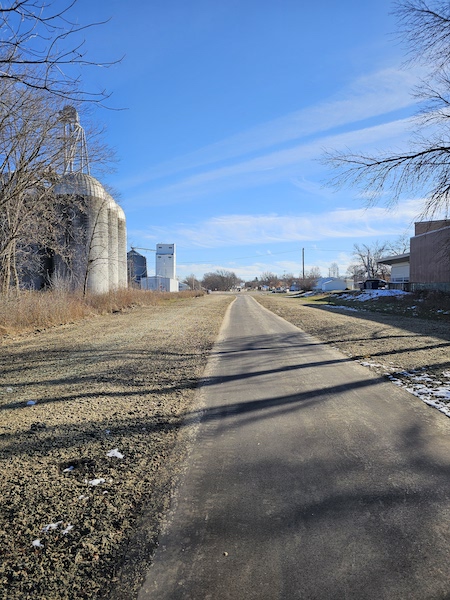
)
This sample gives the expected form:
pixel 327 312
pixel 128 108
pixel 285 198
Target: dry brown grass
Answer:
pixel 30 311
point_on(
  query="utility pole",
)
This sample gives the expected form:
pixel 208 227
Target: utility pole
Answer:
pixel 303 263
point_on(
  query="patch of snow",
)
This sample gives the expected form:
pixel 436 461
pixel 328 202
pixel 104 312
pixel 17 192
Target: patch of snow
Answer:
pixel 114 453
pixel 370 364
pixel 95 481
pixel 422 378
pixel 425 386
pixel 51 526
pixel 341 307
pixel 67 529
pixel 373 294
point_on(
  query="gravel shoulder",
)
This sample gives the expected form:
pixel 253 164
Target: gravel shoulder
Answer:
pixel 75 522
pixel 403 342
pixel 412 352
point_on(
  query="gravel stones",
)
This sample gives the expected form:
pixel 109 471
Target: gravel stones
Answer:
pixel 90 466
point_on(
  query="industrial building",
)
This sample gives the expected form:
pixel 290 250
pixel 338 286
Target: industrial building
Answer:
pixel 137 267
pixel 427 264
pixel 430 254
pixel 164 279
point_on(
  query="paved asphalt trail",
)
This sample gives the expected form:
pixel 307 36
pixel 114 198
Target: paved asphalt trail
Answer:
pixel 310 478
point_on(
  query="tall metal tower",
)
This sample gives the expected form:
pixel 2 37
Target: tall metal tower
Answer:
pixel 76 159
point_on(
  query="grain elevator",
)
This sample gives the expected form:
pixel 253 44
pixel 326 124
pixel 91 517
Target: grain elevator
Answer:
pixel 164 279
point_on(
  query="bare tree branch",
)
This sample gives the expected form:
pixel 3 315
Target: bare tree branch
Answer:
pixel 425 168
pixel 37 44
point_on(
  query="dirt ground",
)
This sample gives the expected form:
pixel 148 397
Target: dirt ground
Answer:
pixel 75 522
pixel 93 432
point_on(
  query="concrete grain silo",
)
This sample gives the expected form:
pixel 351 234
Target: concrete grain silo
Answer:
pixel 122 247
pixel 90 243
pixel 113 244
pixel 100 242
pixel 97 256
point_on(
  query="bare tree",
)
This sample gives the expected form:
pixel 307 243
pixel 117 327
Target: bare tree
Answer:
pixel 220 280
pixel 287 279
pixel 28 151
pixel 333 270
pixel 39 45
pixel 367 257
pixel 40 42
pixel 268 278
pixel 425 167
pixel 357 272
pixel 399 245
pixel 192 281
pixel 311 277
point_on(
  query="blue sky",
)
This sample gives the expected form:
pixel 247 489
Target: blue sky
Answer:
pixel 229 107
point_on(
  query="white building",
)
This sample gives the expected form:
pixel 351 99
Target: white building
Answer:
pixel 165 261
pixel 333 284
pixel 164 279
pixel 400 267
pixel 159 284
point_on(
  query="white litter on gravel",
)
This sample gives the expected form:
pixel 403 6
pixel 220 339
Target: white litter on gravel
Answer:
pixel 37 544
pixel 31 402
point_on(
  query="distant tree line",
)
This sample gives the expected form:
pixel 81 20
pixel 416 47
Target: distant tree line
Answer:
pixel 365 265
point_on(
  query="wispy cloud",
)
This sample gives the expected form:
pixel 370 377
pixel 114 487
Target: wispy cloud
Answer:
pixel 289 164
pixel 247 230
pixel 380 93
